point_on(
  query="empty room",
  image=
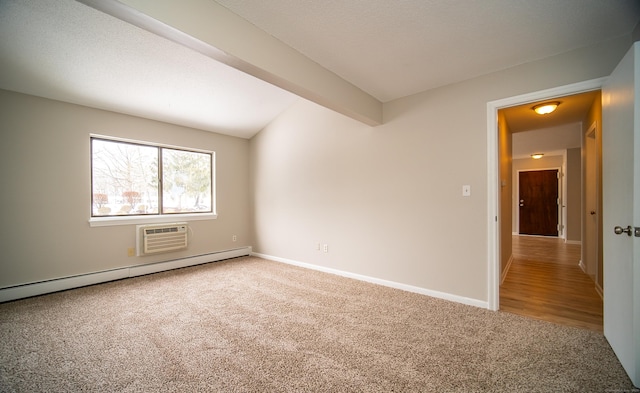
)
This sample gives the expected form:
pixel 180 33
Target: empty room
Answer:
pixel 235 196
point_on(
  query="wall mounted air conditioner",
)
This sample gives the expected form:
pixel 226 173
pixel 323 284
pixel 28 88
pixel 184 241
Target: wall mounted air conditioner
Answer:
pixel 158 238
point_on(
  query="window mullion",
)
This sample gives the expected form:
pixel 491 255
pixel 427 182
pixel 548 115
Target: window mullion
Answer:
pixel 160 183
pixel 123 179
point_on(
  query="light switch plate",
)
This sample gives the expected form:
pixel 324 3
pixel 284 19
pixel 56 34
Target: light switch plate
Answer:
pixel 466 190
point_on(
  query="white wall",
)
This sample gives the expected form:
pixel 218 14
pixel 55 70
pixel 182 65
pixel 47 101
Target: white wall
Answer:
pixel 46 190
pixel 387 200
pixel 547 140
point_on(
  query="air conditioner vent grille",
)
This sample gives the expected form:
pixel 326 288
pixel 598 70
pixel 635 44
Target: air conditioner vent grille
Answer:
pixel 161 230
pixel 162 238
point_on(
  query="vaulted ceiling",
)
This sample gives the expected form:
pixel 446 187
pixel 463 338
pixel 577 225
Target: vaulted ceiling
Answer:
pixel 379 50
pixel 393 49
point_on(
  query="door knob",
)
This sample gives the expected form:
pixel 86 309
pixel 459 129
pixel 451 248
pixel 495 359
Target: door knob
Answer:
pixel 592 212
pixel 620 230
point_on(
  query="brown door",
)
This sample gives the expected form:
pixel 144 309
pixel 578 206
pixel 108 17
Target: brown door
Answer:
pixel 539 202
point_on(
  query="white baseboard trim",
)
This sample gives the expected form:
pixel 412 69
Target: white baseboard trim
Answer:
pixel 61 284
pixel 506 269
pixel 582 266
pixel 373 280
pixel 600 291
pixel 576 242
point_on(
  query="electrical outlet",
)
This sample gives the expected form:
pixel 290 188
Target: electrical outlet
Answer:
pixel 131 252
pixel 466 190
pixel 234 238
pixel 325 248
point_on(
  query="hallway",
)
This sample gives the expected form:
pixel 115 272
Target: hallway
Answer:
pixel 545 282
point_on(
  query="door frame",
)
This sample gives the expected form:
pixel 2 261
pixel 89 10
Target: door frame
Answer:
pixel 559 221
pixel 493 181
pixel 591 234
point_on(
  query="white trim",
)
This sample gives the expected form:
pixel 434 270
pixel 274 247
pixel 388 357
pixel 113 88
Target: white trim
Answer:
pixel 155 219
pixel 506 270
pixel 493 236
pixel 141 270
pixel 61 284
pixel 493 209
pixel 600 291
pixel 98 221
pixel 582 267
pixel 373 280
pixel 576 242
pixel 540 236
pixel 149 144
pixel 594 159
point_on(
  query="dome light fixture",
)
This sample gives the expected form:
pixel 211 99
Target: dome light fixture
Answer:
pixel 537 156
pixel 547 107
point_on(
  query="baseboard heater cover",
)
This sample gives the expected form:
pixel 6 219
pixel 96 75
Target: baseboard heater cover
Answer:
pixel 61 284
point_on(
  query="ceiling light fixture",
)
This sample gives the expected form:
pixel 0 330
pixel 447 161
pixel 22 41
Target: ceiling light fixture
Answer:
pixel 537 156
pixel 545 108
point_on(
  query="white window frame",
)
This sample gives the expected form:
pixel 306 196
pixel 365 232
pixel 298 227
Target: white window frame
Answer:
pixel 156 218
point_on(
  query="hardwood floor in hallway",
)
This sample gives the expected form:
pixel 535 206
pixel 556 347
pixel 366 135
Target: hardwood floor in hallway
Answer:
pixel 545 282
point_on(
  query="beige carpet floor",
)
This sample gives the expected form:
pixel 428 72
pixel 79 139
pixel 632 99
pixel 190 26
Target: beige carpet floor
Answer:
pixel 251 325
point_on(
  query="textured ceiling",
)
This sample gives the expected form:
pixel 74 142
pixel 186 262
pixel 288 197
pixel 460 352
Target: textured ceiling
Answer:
pixel 392 49
pixel 67 51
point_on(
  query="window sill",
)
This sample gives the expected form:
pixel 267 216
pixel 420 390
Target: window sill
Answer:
pixel 138 220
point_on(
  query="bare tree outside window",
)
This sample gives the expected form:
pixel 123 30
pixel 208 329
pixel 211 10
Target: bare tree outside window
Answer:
pixel 137 179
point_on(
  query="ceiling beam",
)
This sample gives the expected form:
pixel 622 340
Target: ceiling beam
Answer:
pixel 209 28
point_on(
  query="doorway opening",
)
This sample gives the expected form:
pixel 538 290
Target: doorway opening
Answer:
pixel 544 279
pixel 500 202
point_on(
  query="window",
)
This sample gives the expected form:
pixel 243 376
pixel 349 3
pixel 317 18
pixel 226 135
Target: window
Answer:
pixel 131 178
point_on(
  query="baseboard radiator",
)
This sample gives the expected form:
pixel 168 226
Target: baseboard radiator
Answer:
pixel 61 284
